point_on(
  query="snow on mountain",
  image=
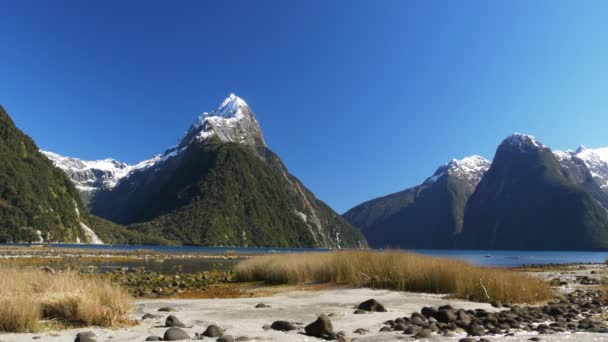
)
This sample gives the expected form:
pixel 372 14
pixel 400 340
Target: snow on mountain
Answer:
pixel 90 175
pixel 469 169
pixel 523 142
pixel 595 160
pixel 232 121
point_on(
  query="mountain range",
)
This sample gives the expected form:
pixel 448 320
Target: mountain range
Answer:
pixel 528 197
pixel 218 185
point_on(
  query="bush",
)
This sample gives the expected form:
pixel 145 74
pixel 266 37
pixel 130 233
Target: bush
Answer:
pixel 30 295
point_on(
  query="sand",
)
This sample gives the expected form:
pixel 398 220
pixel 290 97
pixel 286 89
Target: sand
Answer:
pixel 239 317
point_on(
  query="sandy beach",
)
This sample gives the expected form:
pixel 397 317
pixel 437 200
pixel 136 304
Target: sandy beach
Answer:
pixel 240 317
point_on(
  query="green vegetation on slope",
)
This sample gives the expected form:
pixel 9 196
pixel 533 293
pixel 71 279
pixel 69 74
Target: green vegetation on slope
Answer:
pixel 115 234
pixel 224 194
pixel 34 195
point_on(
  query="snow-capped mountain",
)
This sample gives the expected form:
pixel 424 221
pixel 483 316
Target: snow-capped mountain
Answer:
pixel 232 121
pixel 90 176
pixel 523 143
pixel 218 185
pixel 469 169
pixel 594 160
pixel 425 216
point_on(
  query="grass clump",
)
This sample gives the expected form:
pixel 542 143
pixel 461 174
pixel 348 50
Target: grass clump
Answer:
pixel 396 270
pixel 29 296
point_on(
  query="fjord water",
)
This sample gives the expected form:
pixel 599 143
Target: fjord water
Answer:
pixel 492 258
pixel 497 258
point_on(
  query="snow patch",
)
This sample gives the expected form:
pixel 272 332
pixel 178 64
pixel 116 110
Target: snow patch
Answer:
pixel 524 142
pixel 469 169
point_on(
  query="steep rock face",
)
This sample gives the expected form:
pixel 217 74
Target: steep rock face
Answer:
pixel 528 200
pixel 221 185
pixel 38 203
pixel 425 216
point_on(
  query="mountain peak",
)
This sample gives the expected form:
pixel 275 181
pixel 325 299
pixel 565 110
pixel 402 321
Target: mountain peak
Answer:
pixel 523 142
pixel 233 121
pixel 580 149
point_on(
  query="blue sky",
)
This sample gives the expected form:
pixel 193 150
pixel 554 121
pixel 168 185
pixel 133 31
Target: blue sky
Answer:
pixel 359 98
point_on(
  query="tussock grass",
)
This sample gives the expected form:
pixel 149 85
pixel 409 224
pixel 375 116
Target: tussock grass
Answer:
pixel 28 296
pixel 396 270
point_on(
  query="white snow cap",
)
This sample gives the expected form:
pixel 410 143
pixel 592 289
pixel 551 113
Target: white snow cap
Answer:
pixel 470 168
pixel 524 142
pixel 595 159
pixel 232 121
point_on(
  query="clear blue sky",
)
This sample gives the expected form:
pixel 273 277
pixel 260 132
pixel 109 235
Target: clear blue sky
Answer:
pixel 359 98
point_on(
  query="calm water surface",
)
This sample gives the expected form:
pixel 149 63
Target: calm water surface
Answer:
pixel 478 257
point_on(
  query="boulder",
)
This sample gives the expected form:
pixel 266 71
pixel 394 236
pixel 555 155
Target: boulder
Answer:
pixel 213 331
pixel 446 316
pixel 87 336
pixel 322 327
pixel 150 316
pixel 282 326
pixel 225 338
pixel 173 321
pixel 372 305
pixel 154 338
pixel 175 334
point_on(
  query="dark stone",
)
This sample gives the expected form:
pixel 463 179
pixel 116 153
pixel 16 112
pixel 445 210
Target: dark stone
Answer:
pixel 446 316
pixel 283 326
pixel 360 312
pixel 175 334
pixel 535 338
pixel 476 330
pixel 213 331
pixel 412 330
pixel 262 305
pixel 400 327
pixel 372 305
pixel 467 339
pixel 361 331
pixel 322 327
pixel 385 329
pixel 173 321
pixel 87 336
pixel 243 339
pixel 167 309
pixel 418 321
pixel 428 312
pixel 150 316
pixel 424 333
pixel 154 338
pixel 225 338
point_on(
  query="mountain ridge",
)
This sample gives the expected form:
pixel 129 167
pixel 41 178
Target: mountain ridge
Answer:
pixel 221 159
pixel 409 219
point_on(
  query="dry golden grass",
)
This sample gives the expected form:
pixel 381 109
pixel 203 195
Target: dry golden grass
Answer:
pixel 397 271
pixel 28 296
